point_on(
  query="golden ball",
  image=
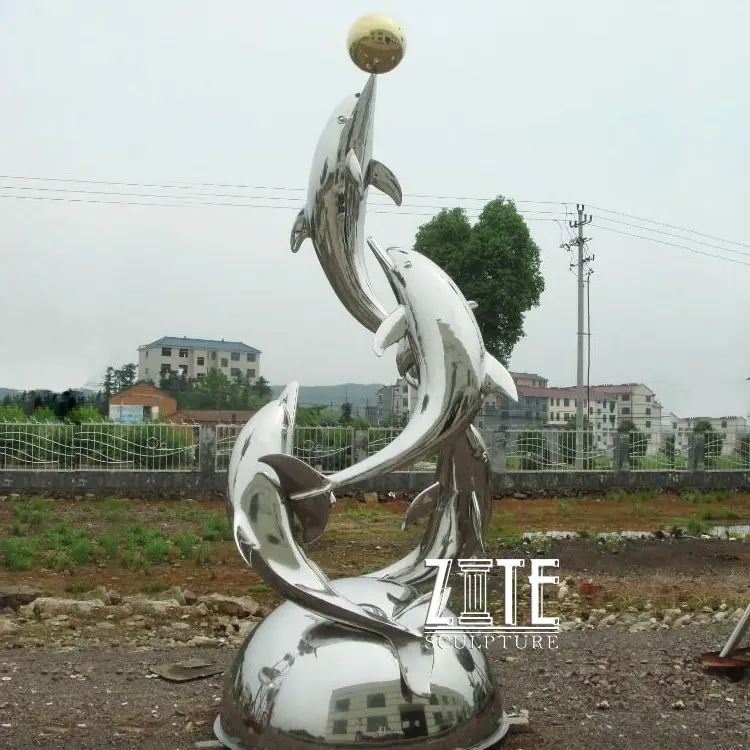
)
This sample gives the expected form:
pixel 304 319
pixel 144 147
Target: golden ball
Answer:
pixel 376 43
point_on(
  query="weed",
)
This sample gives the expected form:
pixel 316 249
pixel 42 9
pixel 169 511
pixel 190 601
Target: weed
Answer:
pixel 81 550
pixel 216 528
pixel 190 513
pixel 203 556
pixel 257 588
pixel 185 541
pixel 613 543
pixel 565 509
pixel 540 544
pixel 156 549
pixel 133 558
pixel 18 554
pixel 695 527
pixel 115 511
pixel 58 559
pixel 360 512
pixel 730 515
pixel 368 569
pixel 109 543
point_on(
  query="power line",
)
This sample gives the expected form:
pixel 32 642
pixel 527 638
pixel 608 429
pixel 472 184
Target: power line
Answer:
pixel 670 226
pixel 194 204
pixel 191 185
pixel 672 244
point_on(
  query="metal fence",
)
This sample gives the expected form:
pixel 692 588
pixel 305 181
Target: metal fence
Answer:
pixel 107 446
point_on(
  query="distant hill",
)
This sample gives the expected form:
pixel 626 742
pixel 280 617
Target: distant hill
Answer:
pixel 357 394
pixel 7 392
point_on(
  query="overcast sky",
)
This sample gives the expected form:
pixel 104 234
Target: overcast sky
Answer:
pixel 636 107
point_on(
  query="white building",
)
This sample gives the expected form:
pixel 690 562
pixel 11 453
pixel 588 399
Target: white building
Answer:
pixel 196 357
pixel 731 429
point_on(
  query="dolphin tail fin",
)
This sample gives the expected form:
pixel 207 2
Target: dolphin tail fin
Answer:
pixel 497 378
pixel 297 479
pixel 380 177
pixel 422 505
pixel 416 663
pixel 300 231
pixel 391 330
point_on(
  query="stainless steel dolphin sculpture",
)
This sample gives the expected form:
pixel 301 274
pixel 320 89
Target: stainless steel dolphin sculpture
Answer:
pixel 334 217
pixel 455 371
pixel 459 506
pixel 261 516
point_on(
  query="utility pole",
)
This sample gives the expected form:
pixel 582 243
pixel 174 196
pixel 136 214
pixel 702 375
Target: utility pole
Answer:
pixel 580 242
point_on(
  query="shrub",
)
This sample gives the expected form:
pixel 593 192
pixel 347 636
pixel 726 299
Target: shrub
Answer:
pixel 18 554
pixel 216 529
pixel 185 541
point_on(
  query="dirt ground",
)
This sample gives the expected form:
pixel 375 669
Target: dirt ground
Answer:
pixel 76 682
pixel 599 689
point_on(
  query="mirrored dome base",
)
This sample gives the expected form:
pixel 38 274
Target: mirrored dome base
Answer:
pixel 301 682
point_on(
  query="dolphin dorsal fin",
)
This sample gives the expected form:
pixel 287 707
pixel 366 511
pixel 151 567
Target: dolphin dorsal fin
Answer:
pixel 380 177
pixel 497 378
pixel 355 168
pixel 300 231
pixel 391 330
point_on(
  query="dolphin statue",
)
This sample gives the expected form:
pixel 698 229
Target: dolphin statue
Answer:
pixel 261 515
pixel 459 504
pixel 455 372
pixel 334 216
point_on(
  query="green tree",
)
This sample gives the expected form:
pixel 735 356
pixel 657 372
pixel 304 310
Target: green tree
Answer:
pixel 495 263
pixel 567 442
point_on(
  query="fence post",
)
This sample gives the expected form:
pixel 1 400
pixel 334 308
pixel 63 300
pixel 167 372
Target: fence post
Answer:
pixel 621 452
pixel 360 445
pixel 207 450
pixel 696 451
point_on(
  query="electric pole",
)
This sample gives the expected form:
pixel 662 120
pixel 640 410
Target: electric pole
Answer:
pixel 580 242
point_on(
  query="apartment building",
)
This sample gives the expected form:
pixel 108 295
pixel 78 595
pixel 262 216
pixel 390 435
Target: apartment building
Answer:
pixel 393 401
pixel 377 711
pixel 194 358
pixel 530 410
pixel 731 429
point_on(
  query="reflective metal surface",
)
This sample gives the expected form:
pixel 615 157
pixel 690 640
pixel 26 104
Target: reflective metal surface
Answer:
pixel 346 662
pixel 300 681
pixel 334 217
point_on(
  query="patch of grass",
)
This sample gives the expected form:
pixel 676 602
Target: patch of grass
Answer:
pixel 216 529
pixel 133 558
pixel 503 536
pixel 368 569
pixel 540 544
pixel 58 559
pixel 186 542
pixel 566 510
pixel 191 513
pixel 114 510
pixel 81 550
pixel 18 554
pixel 613 543
pixel 361 512
pixel 156 550
pixel 257 588
pixel 109 544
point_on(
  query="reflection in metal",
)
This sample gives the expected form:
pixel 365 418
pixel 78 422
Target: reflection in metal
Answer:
pixel 261 516
pixel 301 681
pixel 344 662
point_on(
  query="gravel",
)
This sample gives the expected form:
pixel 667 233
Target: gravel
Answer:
pixel 603 687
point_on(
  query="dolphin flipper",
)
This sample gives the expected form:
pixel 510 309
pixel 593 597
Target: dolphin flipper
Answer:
pixel 472 305
pixel 497 378
pixel 355 168
pixel 380 177
pixel 391 330
pixel 300 231
pixel 422 505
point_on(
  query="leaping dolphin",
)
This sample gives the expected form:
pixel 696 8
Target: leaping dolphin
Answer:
pixel 334 217
pixel 455 372
pixel 260 513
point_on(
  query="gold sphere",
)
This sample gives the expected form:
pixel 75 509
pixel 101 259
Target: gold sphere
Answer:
pixel 376 43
